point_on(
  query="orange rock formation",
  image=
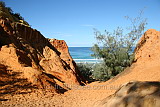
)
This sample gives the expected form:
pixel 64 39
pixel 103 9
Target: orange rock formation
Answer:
pixel 44 62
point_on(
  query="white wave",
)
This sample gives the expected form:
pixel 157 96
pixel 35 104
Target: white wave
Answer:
pixel 87 59
pixel 88 62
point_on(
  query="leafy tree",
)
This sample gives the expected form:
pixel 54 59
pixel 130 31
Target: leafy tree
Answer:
pixel 116 48
pixel 86 70
pixel 99 72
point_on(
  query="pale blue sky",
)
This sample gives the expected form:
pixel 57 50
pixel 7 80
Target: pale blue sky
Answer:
pixel 74 20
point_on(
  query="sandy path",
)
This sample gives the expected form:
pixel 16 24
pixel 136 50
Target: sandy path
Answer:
pixel 83 96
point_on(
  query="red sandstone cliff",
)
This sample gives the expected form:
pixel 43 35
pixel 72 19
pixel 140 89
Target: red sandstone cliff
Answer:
pixel 44 62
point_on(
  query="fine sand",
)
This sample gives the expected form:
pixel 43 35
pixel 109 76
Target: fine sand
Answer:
pixel 82 96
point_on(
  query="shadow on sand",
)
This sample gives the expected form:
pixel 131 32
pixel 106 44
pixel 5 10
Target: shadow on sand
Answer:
pixel 10 84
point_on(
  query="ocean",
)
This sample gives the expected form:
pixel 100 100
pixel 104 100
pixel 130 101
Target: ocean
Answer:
pixel 82 55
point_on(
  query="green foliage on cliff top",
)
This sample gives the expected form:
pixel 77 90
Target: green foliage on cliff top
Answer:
pixel 7 12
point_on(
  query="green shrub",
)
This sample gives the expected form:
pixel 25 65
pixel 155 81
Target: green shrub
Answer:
pixel 7 12
pixel 116 48
pixel 86 70
pixel 99 72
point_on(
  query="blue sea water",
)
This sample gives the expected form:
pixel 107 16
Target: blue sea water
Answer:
pixel 82 55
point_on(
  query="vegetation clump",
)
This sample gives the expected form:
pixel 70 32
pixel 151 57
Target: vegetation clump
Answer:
pixel 116 49
pixel 7 12
pixel 86 70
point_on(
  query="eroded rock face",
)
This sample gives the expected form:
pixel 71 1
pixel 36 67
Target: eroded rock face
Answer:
pixel 148 47
pixel 44 62
pixel 134 94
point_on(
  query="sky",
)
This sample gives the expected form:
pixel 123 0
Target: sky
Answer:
pixel 74 20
